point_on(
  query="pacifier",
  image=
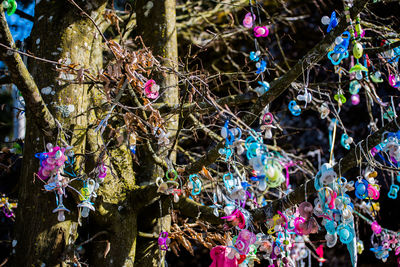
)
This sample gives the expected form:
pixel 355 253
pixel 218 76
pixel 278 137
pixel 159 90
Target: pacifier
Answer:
pixel 87 191
pixel 261 66
pixel 358 69
pixel 376 77
pixel 394 189
pixel 340 98
pixel 255 56
pixel 346 141
pixel 331 240
pixel 376 228
pixel 354 87
pixel 326 175
pixel 196 184
pixel 294 108
pixel 373 192
pixel 263 88
pixel 244 240
pixel 394 80
pixel 261 31
pixel 151 89
pixel 237 218
pixel 331 22
pixel 249 20
pixel 324 110
pixel 355 99
pixel 10 5
pixel 163 241
pixel 345 233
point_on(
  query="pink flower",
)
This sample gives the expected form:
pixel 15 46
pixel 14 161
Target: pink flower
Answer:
pixel 248 20
pixel 151 89
pixel 261 31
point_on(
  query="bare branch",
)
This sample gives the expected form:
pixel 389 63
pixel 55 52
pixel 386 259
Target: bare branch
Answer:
pixel 279 85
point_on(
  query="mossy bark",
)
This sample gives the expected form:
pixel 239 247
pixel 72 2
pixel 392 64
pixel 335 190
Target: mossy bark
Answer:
pixel 60 32
pixel 156 23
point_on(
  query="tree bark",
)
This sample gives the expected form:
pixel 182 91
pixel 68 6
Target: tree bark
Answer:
pixel 41 238
pixel 156 22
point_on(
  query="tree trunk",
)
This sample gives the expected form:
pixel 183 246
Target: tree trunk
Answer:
pixel 43 241
pixel 41 238
pixel 156 24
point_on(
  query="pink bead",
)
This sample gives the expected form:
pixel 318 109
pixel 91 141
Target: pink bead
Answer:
pixel 355 99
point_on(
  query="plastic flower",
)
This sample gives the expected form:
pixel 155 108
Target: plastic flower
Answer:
pixel 248 20
pixel 151 89
pixel 261 31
